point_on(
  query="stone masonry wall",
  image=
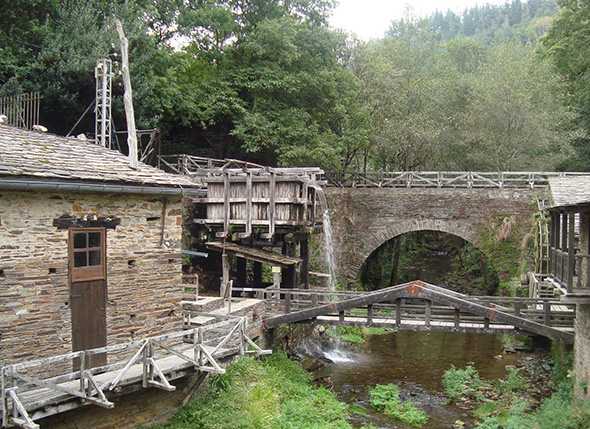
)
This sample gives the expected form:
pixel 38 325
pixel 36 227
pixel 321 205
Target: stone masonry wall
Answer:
pixel 143 278
pixel 364 219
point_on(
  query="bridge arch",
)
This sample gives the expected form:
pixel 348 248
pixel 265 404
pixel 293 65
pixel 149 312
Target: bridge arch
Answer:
pixel 365 218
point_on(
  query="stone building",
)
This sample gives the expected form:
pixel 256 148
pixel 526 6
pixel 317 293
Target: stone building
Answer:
pixel 89 247
pixel 569 263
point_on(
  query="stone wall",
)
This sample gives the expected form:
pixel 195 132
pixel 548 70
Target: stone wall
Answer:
pixel 143 278
pixel 364 219
pixel 582 351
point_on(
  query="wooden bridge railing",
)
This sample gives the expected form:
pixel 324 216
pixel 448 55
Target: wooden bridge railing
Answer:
pixel 443 179
pixel 549 312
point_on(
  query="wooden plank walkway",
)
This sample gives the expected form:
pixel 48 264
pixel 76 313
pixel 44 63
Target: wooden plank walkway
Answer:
pixel 28 393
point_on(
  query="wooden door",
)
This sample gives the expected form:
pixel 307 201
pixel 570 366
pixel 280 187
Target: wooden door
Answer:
pixel 88 291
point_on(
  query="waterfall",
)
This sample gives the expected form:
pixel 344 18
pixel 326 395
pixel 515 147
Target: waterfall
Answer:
pixel 329 248
pixel 328 238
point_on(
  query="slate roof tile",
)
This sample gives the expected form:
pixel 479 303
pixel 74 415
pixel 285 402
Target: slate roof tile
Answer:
pixel 31 154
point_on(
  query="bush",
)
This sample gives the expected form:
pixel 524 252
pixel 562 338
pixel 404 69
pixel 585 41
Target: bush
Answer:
pixel 462 383
pixel 386 399
pixel 513 383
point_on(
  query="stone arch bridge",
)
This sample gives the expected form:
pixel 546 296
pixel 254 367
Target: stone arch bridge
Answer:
pixel 492 211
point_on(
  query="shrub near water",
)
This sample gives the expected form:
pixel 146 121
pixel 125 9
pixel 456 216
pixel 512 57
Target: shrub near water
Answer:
pixel 386 399
pixel 272 394
pixel 462 383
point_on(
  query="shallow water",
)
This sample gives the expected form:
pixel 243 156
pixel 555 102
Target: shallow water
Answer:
pixel 416 362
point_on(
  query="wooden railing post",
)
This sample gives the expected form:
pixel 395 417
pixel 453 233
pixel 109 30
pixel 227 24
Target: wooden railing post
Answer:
pixel 547 312
pixel 457 318
pixel 370 314
pixel 428 313
pixel 341 315
pixel 398 313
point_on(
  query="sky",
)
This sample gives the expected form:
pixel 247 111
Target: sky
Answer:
pixel 370 19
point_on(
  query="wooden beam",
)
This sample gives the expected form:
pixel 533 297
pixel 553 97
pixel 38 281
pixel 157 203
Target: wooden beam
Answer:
pixel 128 96
pixel 571 251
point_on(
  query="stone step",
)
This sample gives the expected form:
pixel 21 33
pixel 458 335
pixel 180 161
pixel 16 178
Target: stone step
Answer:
pixel 252 308
pixel 205 304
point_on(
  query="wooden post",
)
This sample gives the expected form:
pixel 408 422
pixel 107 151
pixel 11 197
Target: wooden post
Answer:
pixel 341 316
pixel 225 274
pixel 486 323
pixel 398 312
pixel 128 96
pixel 287 302
pixel 257 274
pixel 289 273
pixel 428 313
pixel 517 308
pixel 457 318
pixel 571 252
pixel 241 268
pixel 370 314
pixel 547 312
pixel 304 255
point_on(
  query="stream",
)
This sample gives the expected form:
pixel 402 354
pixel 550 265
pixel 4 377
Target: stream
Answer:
pixel 416 362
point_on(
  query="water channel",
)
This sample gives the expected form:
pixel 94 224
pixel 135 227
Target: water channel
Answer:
pixel 416 362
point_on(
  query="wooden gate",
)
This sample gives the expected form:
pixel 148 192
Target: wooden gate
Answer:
pixel 88 291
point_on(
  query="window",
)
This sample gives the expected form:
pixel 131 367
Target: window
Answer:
pixel 87 253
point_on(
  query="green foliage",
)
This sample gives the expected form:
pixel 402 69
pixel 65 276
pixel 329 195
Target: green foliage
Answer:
pixel 355 334
pixel 248 396
pixel 385 398
pixel 462 383
pixel 514 382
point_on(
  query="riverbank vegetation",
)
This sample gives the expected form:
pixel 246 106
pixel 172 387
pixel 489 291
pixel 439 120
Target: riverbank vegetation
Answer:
pixel 509 403
pixel 385 398
pixel 355 334
pixel 273 393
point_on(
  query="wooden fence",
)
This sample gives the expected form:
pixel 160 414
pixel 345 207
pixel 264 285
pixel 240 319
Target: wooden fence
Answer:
pixel 21 110
pixel 443 179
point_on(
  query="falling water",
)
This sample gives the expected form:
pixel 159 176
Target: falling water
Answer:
pixel 329 249
pixel 328 239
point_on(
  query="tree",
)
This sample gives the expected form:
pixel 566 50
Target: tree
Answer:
pixel 568 46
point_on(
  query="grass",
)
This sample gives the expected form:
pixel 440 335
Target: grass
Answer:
pixel 275 393
pixel 354 334
pixel 385 398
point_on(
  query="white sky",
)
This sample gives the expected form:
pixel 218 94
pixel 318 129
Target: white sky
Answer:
pixel 371 18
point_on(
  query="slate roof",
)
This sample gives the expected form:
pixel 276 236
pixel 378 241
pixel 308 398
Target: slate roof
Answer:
pixel 569 191
pixel 35 155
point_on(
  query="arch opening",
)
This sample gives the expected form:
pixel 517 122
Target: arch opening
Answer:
pixel 436 257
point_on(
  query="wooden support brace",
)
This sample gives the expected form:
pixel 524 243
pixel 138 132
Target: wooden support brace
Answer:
pixel 20 416
pixel 112 384
pixel 101 400
pixel 163 383
pixel 257 350
pixel 215 366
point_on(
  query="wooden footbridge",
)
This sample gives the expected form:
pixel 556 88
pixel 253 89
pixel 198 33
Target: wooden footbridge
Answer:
pixel 32 390
pixel 421 306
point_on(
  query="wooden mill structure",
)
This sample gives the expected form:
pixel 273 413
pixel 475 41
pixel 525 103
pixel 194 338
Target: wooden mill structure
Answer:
pixel 253 215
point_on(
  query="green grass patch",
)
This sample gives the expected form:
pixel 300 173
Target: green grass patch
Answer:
pixel 355 334
pixel 275 393
pixel 385 398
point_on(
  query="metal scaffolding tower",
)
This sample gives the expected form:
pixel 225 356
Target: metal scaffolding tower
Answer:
pixel 103 74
